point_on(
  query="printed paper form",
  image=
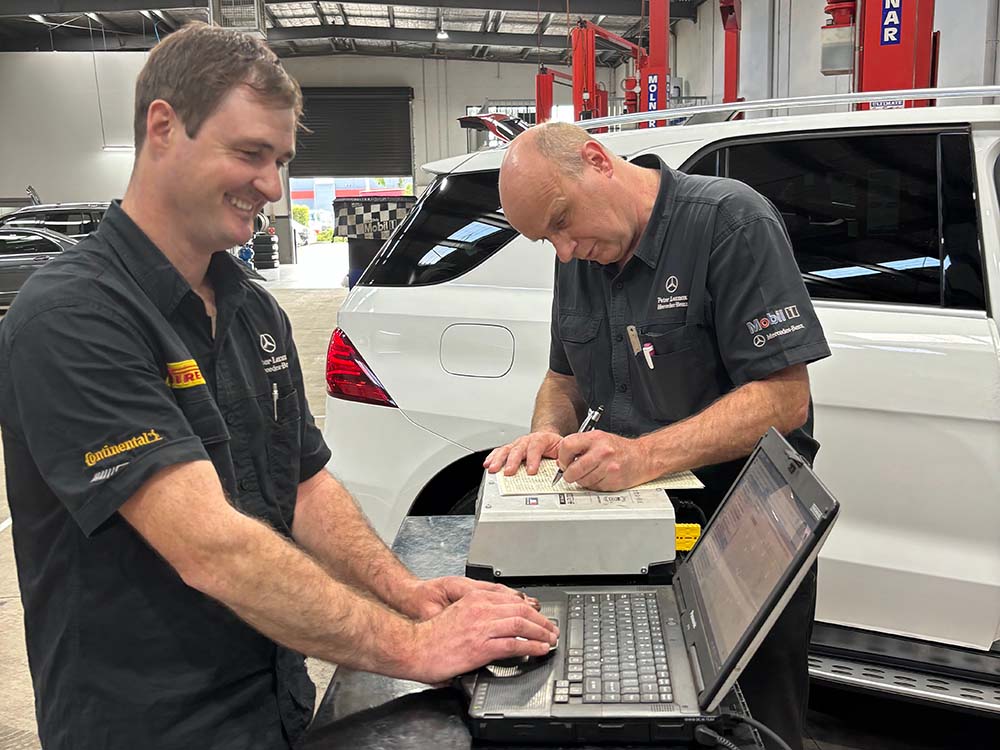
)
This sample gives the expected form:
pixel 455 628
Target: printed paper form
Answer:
pixel 541 484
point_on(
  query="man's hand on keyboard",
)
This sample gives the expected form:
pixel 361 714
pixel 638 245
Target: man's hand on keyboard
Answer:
pixel 426 599
pixel 482 627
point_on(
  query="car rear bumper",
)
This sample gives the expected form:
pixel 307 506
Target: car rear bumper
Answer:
pixel 384 484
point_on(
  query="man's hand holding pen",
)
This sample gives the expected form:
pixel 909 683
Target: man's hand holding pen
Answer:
pixel 603 461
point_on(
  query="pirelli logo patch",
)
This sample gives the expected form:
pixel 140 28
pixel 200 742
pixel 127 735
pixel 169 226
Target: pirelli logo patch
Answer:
pixel 184 374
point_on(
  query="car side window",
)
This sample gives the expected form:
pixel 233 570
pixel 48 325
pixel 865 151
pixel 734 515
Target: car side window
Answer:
pixel 456 225
pixel 76 224
pixel 19 244
pixel 871 216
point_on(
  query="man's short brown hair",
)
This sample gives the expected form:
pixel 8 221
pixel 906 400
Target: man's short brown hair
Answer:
pixel 194 68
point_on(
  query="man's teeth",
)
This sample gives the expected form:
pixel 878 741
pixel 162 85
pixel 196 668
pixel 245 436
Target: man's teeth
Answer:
pixel 242 205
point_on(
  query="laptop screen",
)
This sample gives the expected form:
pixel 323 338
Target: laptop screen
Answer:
pixel 747 550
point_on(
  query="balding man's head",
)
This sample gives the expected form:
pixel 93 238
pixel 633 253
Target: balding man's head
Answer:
pixel 559 184
pixel 559 143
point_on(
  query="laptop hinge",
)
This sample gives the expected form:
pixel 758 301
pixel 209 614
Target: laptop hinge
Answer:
pixel 696 668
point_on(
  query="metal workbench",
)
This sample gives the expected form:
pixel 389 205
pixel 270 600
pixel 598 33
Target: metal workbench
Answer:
pixel 363 711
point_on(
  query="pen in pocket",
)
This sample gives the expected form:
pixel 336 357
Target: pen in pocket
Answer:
pixel 633 339
pixel 648 352
pixel 274 399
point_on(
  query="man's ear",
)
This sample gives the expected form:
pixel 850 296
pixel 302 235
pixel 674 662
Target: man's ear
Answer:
pixel 595 157
pixel 162 124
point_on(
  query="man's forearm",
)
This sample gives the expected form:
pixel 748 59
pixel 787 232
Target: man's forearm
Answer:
pixel 329 524
pixel 559 406
pixel 268 582
pixel 730 427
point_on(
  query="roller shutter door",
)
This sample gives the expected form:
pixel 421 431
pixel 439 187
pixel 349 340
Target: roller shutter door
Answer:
pixel 356 132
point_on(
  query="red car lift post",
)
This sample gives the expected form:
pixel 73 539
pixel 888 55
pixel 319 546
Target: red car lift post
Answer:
pixel 544 82
pixel 654 72
pixel 896 46
pixel 732 13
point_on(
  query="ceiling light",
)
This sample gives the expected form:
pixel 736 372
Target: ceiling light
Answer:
pixel 146 14
pixel 442 34
pixel 92 17
pixel 36 17
pixel 118 148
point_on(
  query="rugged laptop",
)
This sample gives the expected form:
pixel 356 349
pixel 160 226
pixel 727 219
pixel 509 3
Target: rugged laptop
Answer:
pixel 650 663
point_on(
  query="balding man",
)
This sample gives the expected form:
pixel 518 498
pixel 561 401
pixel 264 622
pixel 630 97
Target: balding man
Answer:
pixel 679 308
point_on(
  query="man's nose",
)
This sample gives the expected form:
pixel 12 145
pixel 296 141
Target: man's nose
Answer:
pixel 268 182
pixel 564 248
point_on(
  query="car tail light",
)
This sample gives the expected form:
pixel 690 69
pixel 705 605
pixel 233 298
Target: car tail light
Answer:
pixel 348 375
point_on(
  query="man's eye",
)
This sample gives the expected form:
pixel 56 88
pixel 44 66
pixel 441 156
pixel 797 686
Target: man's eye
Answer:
pixel 250 154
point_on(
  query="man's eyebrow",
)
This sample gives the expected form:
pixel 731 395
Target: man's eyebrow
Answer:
pixel 265 146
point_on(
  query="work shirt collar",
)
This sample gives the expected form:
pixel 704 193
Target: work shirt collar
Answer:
pixel 651 242
pixel 153 271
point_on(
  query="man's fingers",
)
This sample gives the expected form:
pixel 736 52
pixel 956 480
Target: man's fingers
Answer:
pixel 514 458
pixel 507 647
pixel 521 628
pixel 497 458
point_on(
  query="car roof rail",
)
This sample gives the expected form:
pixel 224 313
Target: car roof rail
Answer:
pixel 875 97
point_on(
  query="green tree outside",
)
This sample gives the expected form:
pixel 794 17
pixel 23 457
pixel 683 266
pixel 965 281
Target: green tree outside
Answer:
pixel 301 214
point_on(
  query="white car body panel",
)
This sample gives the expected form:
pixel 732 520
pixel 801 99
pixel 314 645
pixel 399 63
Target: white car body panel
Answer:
pixel 907 408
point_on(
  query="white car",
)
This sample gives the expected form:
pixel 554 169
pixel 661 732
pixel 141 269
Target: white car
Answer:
pixel 894 220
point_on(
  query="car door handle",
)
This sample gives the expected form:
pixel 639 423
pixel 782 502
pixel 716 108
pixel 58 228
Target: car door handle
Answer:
pixel 41 258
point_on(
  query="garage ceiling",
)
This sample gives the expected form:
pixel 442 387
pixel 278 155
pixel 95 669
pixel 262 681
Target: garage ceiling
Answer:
pixel 529 31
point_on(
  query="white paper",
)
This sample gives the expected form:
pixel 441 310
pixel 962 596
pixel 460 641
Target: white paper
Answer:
pixel 541 483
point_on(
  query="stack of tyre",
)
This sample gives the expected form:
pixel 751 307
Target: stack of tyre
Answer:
pixel 265 245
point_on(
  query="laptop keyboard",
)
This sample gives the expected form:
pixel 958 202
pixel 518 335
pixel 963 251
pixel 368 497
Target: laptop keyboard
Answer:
pixel 615 651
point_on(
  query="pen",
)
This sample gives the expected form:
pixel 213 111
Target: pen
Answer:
pixel 593 417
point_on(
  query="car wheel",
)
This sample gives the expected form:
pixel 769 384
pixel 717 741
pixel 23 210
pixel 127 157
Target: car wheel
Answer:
pixel 466 505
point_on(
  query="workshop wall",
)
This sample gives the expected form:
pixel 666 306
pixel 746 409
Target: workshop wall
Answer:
pixel 55 124
pixel 780 49
pixel 442 89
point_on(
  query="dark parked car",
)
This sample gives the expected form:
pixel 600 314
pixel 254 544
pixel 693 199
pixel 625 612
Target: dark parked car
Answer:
pixel 75 220
pixel 23 250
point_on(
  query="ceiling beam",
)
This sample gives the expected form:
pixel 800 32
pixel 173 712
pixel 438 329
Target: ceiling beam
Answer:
pixel 42 7
pixel 318 10
pixel 552 58
pixel 678 8
pixel 296 33
pixel 285 35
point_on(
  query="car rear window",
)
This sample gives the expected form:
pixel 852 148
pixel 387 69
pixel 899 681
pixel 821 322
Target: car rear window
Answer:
pixel 456 225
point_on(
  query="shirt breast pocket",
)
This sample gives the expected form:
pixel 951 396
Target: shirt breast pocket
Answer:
pixel 682 380
pixel 284 446
pixel 578 334
pixel 207 422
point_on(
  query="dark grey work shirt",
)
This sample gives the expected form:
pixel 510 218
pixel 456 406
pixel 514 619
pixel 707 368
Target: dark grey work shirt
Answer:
pixel 109 373
pixel 713 287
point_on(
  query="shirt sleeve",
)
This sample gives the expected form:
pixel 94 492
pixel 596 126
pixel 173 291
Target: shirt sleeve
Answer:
pixel 558 361
pixel 94 409
pixel 764 319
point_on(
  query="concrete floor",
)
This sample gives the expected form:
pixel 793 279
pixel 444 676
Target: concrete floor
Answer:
pixel 311 294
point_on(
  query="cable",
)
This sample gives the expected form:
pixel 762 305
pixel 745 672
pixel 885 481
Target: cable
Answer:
pixel 694 507
pixel 708 737
pixel 759 727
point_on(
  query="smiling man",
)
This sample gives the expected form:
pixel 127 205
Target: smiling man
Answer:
pixel 679 308
pixel 179 543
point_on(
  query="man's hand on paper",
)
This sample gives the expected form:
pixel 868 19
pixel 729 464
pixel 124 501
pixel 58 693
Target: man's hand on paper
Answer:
pixel 528 449
pixel 603 461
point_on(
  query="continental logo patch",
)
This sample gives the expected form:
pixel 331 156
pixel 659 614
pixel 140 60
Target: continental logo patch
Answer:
pixel 107 451
pixel 184 374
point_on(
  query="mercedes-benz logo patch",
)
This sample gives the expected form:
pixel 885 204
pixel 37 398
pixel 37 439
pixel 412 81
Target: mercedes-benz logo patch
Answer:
pixel 759 341
pixel 267 343
pixel 672 284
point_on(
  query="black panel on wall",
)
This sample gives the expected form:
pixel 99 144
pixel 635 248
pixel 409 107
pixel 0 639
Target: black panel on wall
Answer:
pixel 356 132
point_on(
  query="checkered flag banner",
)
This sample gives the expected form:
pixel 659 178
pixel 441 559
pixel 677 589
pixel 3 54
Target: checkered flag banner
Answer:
pixel 370 218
